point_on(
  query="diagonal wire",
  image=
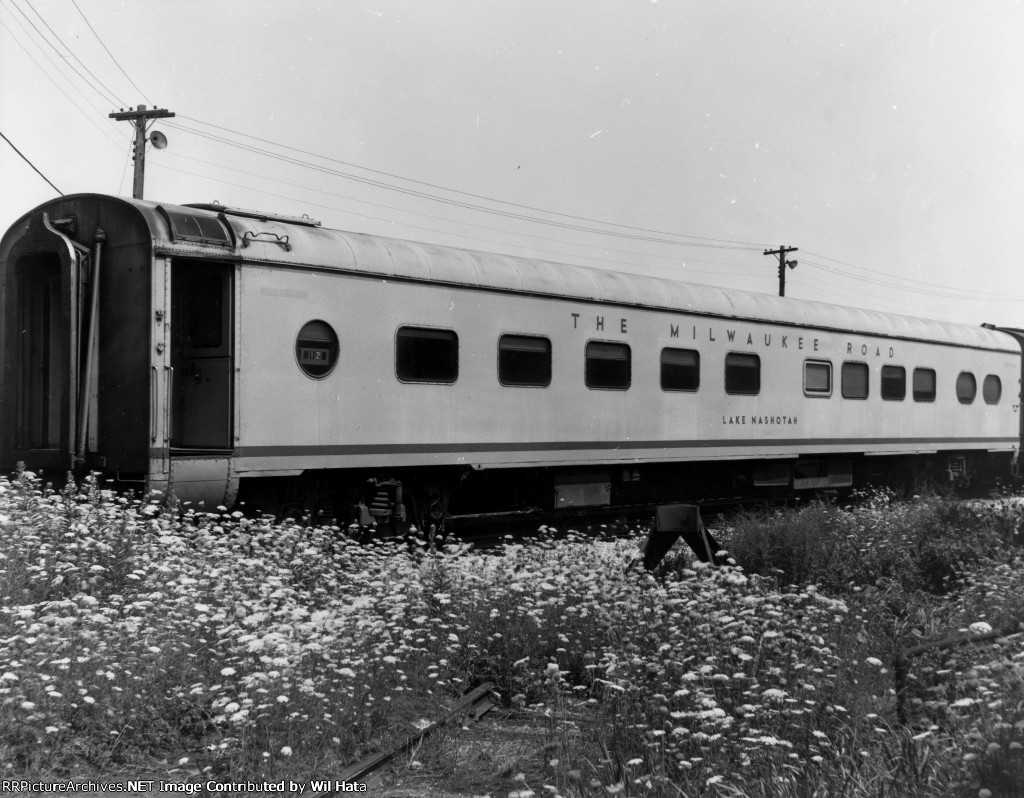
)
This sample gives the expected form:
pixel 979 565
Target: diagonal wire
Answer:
pixel 26 160
pixel 109 96
pixel 454 202
pixel 452 190
pixel 49 77
pixel 94 33
pixel 70 51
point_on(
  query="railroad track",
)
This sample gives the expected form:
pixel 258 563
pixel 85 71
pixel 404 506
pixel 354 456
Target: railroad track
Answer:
pixel 474 704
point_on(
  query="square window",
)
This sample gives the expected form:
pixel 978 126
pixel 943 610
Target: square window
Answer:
pixel 855 380
pixel 608 365
pixel 424 354
pixel 524 360
pixel 924 385
pixel 680 369
pixel 894 383
pixel 742 373
pixel 817 378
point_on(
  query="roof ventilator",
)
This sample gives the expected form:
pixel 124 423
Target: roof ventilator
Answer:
pixel 250 236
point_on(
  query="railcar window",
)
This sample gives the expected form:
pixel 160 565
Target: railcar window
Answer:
pixel 524 360
pixel 966 387
pixel 204 326
pixel 425 354
pixel 924 385
pixel 608 365
pixel 817 378
pixel 316 349
pixel 855 380
pixel 992 389
pixel 680 369
pixel 894 383
pixel 187 226
pixel 742 373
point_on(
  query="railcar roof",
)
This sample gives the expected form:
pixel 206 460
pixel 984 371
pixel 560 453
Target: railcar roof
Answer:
pixel 261 240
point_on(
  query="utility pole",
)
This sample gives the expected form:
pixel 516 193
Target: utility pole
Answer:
pixel 783 263
pixel 139 118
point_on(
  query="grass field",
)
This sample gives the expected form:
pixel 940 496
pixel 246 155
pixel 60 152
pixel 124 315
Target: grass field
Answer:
pixel 134 638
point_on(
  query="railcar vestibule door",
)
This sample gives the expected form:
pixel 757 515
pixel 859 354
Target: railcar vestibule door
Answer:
pixel 201 354
pixel 42 340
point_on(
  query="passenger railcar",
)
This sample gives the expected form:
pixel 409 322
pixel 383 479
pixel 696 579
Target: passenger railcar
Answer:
pixel 219 353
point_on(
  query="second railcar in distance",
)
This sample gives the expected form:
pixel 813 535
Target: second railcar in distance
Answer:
pixel 225 354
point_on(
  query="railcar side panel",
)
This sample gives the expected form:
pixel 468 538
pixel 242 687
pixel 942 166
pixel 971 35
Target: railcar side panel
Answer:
pixel 362 414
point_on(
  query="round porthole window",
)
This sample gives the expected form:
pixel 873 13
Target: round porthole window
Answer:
pixel 316 349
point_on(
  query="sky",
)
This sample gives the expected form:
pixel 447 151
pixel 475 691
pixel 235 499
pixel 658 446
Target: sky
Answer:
pixel 882 139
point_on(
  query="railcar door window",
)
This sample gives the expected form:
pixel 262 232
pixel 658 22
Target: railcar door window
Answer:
pixel 608 365
pixel 817 378
pixel 924 385
pixel 992 389
pixel 425 354
pixel 855 380
pixel 524 360
pixel 966 387
pixel 894 383
pixel 680 369
pixel 742 373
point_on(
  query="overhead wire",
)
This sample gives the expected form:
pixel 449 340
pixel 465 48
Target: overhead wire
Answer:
pixel 446 220
pixel 107 49
pixel 26 160
pixel 882 304
pixel 109 96
pixel 927 284
pixel 950 292
pixel 901 306
pixel 435 186
pixel 288 159
pixel 71 52
pixel 59 88
pixel 225 140
pixel 682 270
pixel 452 202
pixel 647 235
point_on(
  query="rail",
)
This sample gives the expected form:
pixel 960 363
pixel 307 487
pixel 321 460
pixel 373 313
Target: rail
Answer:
pixel 475 703
pixel 901 662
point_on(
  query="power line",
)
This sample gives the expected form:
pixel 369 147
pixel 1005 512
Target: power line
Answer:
pixel 927 284
pixel 94 33
pixel 50 78
pixel 722 243
pixel 379 184
pixel 260 150
pixel 349 198
pixel 589 220
pixel 684 270
pixel 931 290
pixel 71 52
pixel 453 202
pixel 898 306
pixel 26 160
pixel 109 97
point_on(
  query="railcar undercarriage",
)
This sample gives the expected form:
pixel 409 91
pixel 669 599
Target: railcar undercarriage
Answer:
pixel 392 502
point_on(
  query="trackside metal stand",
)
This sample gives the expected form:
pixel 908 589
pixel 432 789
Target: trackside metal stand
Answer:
pixel 674 521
